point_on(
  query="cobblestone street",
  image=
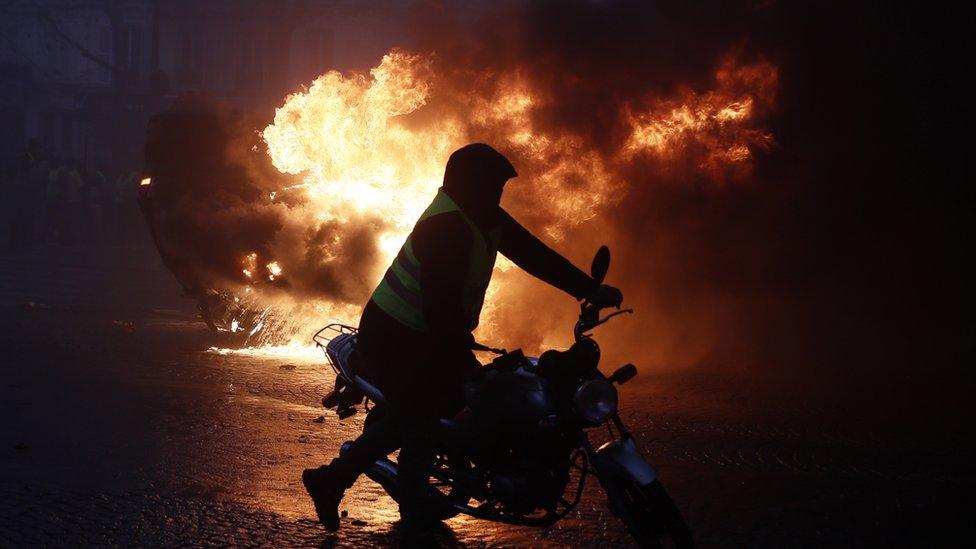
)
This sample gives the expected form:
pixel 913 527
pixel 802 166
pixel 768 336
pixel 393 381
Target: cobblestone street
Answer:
pixel 713 255
pixel 119 427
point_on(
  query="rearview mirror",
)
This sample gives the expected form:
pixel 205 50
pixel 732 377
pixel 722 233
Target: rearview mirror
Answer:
pixel 601 263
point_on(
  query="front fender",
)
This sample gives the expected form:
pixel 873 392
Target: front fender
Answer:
pixel 621 457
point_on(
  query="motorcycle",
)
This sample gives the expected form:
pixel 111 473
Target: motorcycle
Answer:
pixel 520 451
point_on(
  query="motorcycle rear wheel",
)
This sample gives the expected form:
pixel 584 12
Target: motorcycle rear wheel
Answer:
pixel 648 512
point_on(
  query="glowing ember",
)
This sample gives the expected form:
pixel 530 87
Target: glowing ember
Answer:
pixel 250 265
pixel 293 351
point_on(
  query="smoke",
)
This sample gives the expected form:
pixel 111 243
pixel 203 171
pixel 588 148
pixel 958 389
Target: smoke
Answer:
pixel 749 179
pixel 667 111
pixel 223 214
pixel 206 196
pixel 803 258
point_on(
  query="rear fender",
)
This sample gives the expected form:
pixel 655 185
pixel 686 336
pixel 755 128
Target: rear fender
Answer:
pixel 621 457
pixel 342 352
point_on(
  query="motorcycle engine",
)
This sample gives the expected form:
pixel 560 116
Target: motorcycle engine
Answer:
pixel 532 474
pixel 529 462
pixel 522 491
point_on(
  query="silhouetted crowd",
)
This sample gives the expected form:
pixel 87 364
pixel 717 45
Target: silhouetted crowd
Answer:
pixel 63 202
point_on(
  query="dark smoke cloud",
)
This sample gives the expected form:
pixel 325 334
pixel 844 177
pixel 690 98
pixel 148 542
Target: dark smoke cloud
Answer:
pixel 206 201
pixel 346 278
pixel 837 255
pixel 213 215
pixel 594 62
pixel 834 256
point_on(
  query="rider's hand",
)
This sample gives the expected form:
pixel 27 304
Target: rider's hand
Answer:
pixel 606 296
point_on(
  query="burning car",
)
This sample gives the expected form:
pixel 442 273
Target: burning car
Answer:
pixel 197 168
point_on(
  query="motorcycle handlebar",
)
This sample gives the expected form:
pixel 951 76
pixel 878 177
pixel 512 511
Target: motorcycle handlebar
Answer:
pixel 589 318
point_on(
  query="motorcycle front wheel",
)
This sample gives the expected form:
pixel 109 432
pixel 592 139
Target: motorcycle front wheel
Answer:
pixel 648 512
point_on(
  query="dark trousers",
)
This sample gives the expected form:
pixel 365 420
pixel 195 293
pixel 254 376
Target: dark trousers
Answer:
pixel 421 386
pixel 414 437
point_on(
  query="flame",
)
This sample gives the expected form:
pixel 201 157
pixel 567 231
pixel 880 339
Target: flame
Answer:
pixel 715 120
pixel 145 182
pixel 370 150
pixel 274 270
pixel 250 262
pixel 307 352
pixel 347 137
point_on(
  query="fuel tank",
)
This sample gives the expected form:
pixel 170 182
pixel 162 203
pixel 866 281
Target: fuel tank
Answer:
pixel 513 401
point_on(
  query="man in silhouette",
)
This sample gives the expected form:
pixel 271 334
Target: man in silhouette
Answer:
pixel 415 337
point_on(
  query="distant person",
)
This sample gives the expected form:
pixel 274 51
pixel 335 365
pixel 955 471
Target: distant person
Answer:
pixel 100 201
pixel 39 174
pixel 54 204
pixel 74 204
pixel 415 331
pixel 22 201
pixel 125 207
pixel 91 216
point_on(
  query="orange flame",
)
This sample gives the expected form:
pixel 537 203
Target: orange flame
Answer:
pixel 371 150
pixel 716 120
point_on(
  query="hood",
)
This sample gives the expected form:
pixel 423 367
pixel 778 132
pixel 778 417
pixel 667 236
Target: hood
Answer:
pixel 474 178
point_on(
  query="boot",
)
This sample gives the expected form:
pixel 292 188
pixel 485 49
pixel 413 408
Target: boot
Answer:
pixel 326 493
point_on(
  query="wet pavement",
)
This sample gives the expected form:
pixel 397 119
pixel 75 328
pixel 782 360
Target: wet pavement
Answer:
pixel 122 429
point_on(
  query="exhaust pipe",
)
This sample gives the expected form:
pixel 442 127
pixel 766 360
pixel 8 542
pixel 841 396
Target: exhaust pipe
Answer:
pixel 383 472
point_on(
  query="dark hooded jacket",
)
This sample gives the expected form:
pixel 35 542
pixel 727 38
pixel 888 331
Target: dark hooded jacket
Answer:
pixel 474 178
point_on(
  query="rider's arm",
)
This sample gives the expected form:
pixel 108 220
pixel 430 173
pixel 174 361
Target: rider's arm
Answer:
pixel 541 261
pixel 443 243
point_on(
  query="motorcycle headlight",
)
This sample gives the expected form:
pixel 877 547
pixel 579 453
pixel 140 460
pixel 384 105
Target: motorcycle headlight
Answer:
pixel 596 400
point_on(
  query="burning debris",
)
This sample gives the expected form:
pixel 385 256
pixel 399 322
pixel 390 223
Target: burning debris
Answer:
pixel 369 152
pixel 278 231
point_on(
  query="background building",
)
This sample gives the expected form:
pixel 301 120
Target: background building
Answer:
pixel 83 77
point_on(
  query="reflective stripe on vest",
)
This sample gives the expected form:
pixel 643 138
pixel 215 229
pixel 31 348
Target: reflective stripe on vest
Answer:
pixel 399 293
